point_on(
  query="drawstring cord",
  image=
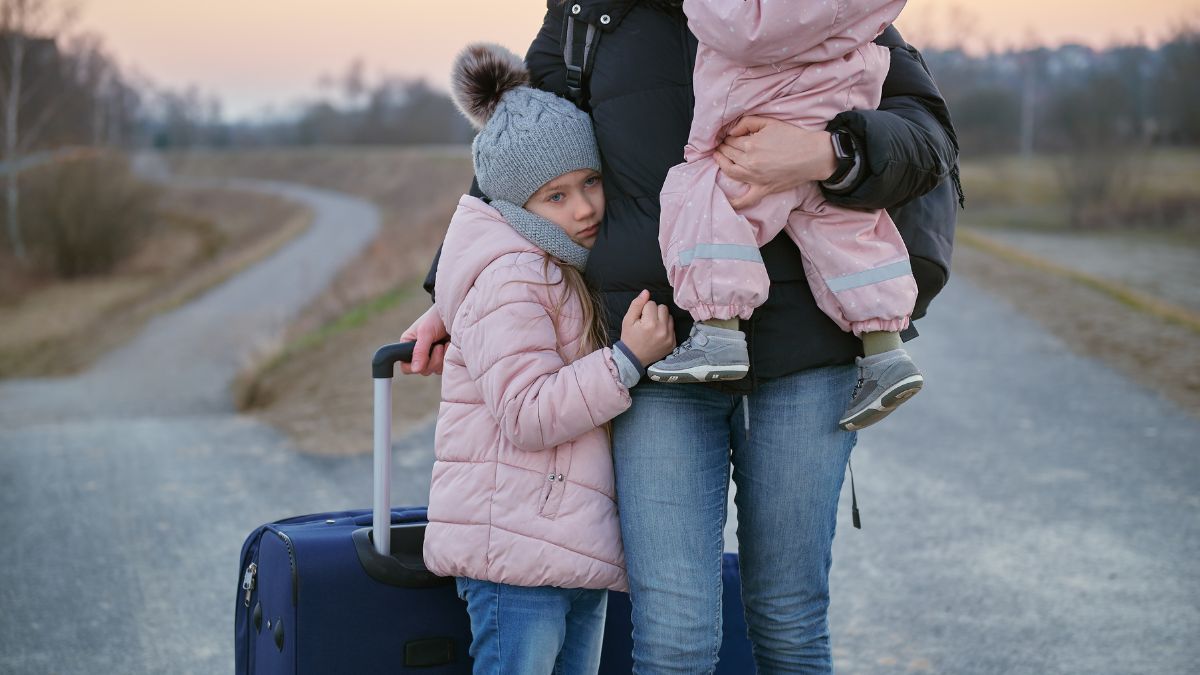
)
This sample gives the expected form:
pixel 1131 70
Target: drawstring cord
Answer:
pixel 853 499
pixel 746 415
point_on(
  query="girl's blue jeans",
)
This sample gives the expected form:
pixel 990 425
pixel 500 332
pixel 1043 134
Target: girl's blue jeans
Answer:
pixel 673 450
pixel 517 630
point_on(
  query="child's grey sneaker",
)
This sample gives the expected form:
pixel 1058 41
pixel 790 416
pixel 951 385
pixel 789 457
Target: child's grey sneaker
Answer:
pixel 884 382
pixel 709 354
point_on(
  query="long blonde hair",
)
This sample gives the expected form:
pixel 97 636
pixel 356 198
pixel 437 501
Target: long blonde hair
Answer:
pixel 595 333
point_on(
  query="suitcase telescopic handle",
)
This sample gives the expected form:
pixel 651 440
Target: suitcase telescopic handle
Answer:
pixel 383 366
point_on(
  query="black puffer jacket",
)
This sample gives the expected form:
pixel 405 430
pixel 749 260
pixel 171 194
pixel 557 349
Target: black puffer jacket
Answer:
pixel 641 103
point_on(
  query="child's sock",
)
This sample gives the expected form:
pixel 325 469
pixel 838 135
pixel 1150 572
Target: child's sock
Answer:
pixel 879 342
pixel 731 324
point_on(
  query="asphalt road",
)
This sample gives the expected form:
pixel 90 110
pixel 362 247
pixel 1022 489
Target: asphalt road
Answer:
pixel 1030 512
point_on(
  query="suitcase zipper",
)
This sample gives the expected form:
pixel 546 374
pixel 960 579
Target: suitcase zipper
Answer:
pixel 248 581
pixel 291 563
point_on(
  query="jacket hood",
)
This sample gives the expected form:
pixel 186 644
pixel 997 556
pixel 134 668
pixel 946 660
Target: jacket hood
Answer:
pixel 478 235
pixel 765 33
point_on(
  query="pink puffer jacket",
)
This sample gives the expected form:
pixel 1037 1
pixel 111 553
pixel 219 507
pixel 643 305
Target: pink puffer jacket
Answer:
pixel 523 490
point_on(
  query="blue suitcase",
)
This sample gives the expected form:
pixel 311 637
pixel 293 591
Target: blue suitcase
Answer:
pixel 348 592
pixel 316 597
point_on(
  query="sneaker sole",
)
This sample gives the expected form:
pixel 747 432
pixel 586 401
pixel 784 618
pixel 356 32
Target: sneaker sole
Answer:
pixel 699 374
pixel 884 404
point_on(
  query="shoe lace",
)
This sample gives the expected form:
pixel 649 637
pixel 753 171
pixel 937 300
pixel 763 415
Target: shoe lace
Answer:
pixel 858 385
pixel 682 347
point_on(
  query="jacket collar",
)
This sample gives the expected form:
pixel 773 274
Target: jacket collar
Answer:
pixel 605 15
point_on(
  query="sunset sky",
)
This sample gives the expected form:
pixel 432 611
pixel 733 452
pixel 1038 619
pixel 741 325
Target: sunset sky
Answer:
pixel 252 53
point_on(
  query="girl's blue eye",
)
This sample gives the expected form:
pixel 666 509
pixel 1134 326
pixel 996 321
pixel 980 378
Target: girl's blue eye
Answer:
pixel 556 197
pixel 591 181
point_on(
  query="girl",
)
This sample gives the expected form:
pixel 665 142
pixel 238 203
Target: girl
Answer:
pixel 522 503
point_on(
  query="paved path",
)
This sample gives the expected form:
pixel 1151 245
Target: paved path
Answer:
pixel 1030 512
pixel 183 362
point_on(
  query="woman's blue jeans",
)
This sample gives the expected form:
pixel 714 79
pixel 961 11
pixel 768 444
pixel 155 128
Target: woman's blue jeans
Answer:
pixel 673 451
pixel 518 630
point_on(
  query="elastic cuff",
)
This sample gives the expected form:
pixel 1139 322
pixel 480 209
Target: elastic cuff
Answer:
pixel 873 325
pixel 628 366
pixel 723 312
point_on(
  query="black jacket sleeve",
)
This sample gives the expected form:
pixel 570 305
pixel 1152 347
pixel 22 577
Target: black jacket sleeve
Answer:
pixel 908 145
pixel 431 275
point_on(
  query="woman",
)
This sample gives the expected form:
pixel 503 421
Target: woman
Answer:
pixel 777 427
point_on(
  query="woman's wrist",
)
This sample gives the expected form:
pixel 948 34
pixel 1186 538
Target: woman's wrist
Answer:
pixel 823 160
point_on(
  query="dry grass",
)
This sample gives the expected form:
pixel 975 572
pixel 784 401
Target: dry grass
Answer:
pixel 1159 353
pixel 1013 192
pixel 317 390
pixel 200 238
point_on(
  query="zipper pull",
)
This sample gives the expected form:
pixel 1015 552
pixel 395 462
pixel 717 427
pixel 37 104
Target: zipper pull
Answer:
pixel 248 581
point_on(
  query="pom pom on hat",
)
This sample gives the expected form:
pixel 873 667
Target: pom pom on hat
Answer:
pixel 483 72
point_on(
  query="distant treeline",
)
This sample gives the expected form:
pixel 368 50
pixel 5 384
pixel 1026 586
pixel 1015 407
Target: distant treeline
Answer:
pixel 1073 97
pixel 396 111
pixel 1038 100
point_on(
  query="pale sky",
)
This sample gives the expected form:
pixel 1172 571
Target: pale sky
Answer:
pixel 252 53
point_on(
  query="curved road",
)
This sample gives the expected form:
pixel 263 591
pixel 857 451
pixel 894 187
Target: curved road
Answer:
pixel 1031 512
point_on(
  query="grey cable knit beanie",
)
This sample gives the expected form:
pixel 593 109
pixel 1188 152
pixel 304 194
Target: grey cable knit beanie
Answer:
pixel 527 138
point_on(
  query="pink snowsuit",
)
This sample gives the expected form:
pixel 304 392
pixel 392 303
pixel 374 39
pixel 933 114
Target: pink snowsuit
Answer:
pixel 801 62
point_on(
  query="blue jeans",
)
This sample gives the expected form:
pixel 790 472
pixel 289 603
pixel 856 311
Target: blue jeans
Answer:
pixel 673 451
pixel 518 630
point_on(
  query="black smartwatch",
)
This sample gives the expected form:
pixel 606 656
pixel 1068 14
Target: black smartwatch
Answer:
pixel 845 150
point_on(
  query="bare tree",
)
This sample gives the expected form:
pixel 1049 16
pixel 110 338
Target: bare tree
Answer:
pixel 22 24
pixel 1102 148
pixel 1178 95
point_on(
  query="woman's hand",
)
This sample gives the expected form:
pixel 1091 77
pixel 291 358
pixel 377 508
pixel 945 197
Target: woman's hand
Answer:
pixel 429 353
pixel 648 329
pixel 772 156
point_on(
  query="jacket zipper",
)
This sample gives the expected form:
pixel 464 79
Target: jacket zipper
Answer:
pixel 688 65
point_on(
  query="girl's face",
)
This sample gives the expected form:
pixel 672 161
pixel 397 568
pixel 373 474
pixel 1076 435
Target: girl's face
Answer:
pixel 575 202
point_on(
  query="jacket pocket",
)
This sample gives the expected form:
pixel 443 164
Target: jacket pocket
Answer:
pixel 556 481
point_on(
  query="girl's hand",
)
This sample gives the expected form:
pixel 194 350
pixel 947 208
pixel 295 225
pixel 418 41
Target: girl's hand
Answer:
pixel 428 357
pixel 648 329
pixel 773 156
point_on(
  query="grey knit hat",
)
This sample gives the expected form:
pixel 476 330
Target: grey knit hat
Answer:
pixel 527 138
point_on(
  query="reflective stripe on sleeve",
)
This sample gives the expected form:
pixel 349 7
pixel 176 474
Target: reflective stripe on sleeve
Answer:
pixel 720 252
pixel 868 277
